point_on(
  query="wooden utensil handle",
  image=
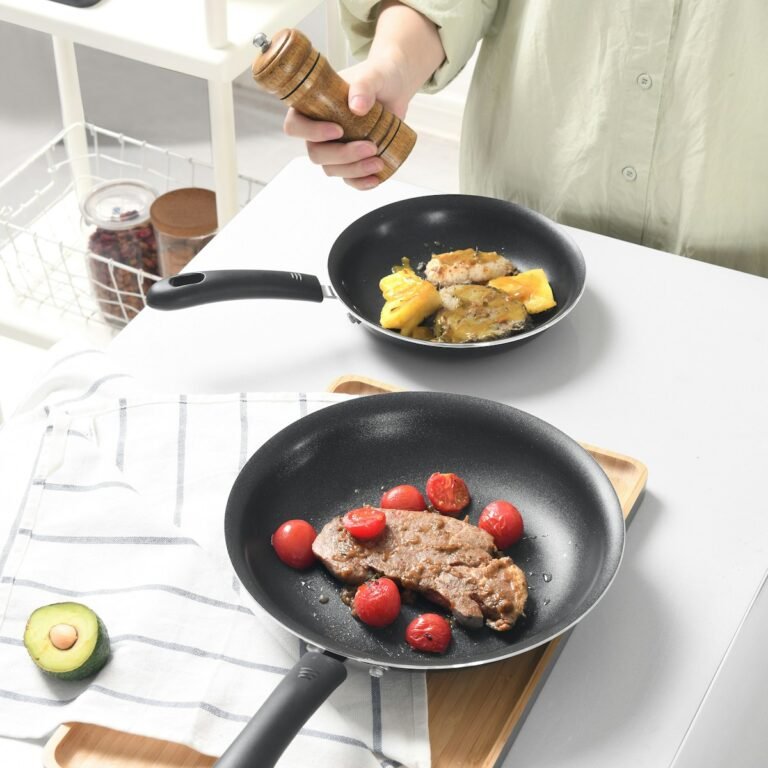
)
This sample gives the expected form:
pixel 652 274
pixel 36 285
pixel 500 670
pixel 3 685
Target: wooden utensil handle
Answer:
pixel 291 69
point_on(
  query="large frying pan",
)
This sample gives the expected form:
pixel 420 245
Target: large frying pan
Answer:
pixel 339 458
pixel 367 250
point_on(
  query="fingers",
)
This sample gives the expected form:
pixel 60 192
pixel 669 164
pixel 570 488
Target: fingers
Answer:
pixel 338 153
pixel 362 96
pixel 302 127
pixel 354 161
pixel 359 170
pixel 368 182
pixel 365 82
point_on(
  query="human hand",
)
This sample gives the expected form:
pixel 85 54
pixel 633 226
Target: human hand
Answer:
pixel 376 79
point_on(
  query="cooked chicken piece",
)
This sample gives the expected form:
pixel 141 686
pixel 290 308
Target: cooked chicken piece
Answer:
pixel 477 313
pixel 467 266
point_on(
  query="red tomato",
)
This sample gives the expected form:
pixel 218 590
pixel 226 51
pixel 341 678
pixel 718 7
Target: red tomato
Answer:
pixel 429 632
pixel 503 521
pixel 447 492
pixel 404 497
pixel 377 603
pixel 365 523
pixel 293 543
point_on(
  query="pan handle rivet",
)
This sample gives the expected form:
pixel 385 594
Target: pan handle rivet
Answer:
pixel 377 671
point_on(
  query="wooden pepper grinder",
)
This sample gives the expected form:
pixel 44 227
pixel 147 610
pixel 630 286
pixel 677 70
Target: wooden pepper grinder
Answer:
pixel 290 68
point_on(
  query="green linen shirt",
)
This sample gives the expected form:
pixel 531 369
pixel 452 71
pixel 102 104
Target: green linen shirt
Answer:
pixel 645 120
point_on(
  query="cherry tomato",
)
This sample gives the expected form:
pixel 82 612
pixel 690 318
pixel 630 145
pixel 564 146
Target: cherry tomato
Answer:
pixel 447 492
pixel 503 521
pixel 404 497
pixel 429 632
pixel 365 523
pixel 377 603
pixel 293 543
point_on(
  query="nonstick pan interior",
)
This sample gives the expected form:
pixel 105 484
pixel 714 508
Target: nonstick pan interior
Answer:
pixel 417 228
pixel 344 456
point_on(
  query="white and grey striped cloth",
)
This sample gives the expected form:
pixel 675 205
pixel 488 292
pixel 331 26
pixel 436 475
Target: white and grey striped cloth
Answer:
pixel 114 497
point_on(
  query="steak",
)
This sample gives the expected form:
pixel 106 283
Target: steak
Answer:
pixel 450 562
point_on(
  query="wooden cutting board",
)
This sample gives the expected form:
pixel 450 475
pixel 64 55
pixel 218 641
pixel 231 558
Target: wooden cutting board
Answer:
pixel 473 713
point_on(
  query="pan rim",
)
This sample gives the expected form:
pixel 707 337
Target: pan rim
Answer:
pixel 458 665
pixel 549 224
pixel 609 570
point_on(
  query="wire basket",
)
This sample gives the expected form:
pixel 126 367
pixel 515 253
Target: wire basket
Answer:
pixel 43 243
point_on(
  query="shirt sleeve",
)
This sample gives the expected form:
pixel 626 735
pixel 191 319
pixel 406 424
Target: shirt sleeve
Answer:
pixel 461 24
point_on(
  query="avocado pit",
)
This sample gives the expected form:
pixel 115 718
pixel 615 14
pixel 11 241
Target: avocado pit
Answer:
pixel 63 636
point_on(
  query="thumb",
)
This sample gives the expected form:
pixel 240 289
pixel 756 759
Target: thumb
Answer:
pixel 362 95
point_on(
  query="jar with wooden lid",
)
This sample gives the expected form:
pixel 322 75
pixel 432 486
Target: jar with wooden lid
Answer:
pixel 184 221
pixel 121 244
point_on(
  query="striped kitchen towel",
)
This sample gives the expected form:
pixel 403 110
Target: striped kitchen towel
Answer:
pixel 114 497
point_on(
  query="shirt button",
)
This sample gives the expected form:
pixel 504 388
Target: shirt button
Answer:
pixel 644 81
pixel 629 173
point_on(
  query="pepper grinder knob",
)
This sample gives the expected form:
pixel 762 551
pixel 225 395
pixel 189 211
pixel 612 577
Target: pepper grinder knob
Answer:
pixel 262 41
pixel 291 69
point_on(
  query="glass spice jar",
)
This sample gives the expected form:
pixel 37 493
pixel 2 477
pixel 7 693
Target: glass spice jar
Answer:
pixel 184 221
pixel 121 240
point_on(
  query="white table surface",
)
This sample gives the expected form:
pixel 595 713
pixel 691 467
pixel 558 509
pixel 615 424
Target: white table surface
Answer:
pixel 663 359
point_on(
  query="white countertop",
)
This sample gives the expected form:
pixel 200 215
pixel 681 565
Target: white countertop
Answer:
pixel 663 359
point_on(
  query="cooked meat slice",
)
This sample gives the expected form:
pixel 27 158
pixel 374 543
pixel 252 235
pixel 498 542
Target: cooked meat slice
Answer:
pixel 448 561
pixel 467 266
pixel 477 313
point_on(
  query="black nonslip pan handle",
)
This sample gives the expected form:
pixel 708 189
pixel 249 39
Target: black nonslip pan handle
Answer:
pixel 311 681
pixel 190 289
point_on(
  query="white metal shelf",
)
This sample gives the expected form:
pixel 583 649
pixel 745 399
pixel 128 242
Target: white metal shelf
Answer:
pixel 172 33
pixel 210 39
pixel 48 269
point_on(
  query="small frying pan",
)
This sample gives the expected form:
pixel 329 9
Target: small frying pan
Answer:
pixel 368 248
pixel 340 458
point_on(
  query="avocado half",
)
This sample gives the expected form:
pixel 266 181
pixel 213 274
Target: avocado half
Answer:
pixel 67 640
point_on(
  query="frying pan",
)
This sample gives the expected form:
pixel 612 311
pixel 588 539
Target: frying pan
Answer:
pixel 340 458
pixel 368 248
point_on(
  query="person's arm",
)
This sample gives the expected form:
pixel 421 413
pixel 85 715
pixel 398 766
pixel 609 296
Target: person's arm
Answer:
pixel 405 52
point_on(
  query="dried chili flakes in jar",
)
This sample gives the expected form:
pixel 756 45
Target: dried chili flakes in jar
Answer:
pixel 122 246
